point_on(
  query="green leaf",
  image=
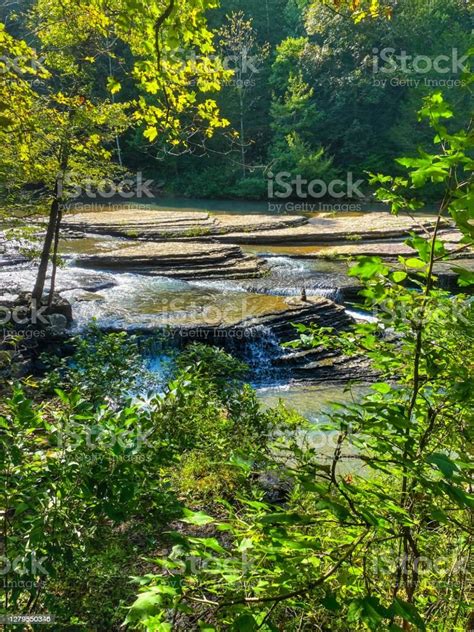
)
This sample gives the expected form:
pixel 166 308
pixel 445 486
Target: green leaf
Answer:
pixel 459 495
pixel 382 387
pixel 245 545
pixel 196 517
pixel 20 508
pixel 465 277
pixel 338 510
pixel 369 610
pixel 146 604
pixel 330 602
pixel 209 543
pixel 444 463
pixel 439 515
pixel 408 612
pixel 413 262
pixel 113 86
pixel 245 623
pixel 367 267
pixel 399 276
pixel 283 518
pixel 151 133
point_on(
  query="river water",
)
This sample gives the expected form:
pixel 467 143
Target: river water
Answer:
pixel 124 299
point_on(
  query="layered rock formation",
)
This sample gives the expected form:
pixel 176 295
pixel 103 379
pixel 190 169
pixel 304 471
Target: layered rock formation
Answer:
pixel 276 328
pixel 175 259
pixel 245 229
pixel 150 224
pixel 321 230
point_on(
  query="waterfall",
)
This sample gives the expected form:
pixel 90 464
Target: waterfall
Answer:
pixel 259 352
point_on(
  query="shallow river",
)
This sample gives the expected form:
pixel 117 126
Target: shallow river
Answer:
pixel 128 300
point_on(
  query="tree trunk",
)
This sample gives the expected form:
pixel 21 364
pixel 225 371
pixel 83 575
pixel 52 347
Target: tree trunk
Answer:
pixel 55 256
pixel 242 135
pixel 38 289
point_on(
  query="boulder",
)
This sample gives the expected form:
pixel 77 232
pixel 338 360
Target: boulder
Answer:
pixel 60 307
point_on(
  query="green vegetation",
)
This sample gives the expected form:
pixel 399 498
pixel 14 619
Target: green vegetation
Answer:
pixel 192 507
pixel 315 93
pixel 315 99
pixel 61 118
pixel 91 482
pixel 227 515
pixel 378 535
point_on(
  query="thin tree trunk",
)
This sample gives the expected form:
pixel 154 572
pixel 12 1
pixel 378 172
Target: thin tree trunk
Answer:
pixel 55 256
pixel 38 289
pixel 242 135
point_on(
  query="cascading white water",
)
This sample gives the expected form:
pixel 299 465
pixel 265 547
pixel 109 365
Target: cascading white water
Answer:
pixel 259 352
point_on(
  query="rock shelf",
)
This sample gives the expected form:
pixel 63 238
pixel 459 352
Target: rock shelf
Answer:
pixel 182 260
pixel 385 250
pixel 323 230
pixel 315 365
pixel 245 229
pixel 157 225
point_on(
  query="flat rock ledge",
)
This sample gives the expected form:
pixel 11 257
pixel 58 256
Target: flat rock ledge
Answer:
pixel 156 225
pixel 182 260
pixel 317 310
pixel 342 228
pixel 279 325
pixel 388 249
pixel 246 229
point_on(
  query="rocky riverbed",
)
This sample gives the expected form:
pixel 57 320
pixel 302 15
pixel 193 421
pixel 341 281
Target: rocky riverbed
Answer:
pixel 233 280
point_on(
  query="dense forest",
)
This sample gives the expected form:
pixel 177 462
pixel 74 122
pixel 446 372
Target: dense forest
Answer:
pixel 310 92
pixel 240 419
pixel 314 97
